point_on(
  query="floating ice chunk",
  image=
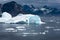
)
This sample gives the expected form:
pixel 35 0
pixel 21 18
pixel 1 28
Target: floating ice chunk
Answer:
pixel 48 27
pixel 31 33
pixel 9 29
pixel 43 33
pixel 24 35
pixel 20 27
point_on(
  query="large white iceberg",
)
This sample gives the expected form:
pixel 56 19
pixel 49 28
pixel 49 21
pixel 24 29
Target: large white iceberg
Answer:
pixel 27 18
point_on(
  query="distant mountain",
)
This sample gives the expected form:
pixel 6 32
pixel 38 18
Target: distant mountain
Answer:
pixel 0 7
pixel 14 9
pixel 51 11
pixel 11 7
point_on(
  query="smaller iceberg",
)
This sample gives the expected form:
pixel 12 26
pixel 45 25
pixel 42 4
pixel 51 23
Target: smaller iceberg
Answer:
pixel 27 18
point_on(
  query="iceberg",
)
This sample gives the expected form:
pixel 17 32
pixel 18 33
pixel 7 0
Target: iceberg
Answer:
pixel 27 18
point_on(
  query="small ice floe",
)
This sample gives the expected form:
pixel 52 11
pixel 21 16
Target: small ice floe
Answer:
pixel 30 33
pixel 48 27
pixel 20 27
pixel 46 31
pixel 56 29
pixel 24 35
pixel 10 30
pixel 43 33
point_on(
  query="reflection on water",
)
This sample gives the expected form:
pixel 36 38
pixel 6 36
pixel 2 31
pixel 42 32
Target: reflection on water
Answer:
pixel 48 31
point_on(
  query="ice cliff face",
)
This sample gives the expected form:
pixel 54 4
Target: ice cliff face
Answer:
pixel 27 18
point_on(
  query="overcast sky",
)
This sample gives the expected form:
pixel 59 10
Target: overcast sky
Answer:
pixel 53 1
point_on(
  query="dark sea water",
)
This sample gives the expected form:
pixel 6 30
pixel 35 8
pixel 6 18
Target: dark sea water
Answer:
pixel 48 31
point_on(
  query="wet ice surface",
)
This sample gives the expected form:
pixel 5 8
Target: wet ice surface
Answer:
pixel 48 31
